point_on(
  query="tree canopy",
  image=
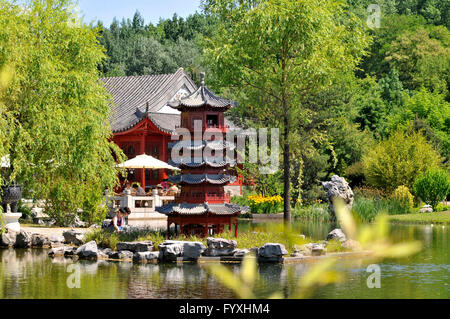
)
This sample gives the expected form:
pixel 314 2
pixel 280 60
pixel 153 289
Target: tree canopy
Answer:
pixel 56 107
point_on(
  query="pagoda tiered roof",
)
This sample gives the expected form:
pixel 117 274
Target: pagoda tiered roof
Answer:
pixel 201 209
pixel 194 163
pixel 200 98
pixel 196 145
pixel 216 179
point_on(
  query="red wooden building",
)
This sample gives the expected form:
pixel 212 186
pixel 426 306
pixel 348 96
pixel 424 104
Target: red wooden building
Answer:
pixel 142 121
pixel 204 207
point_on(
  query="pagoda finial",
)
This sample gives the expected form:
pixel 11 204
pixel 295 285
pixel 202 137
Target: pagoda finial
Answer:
pixel 202 77
pixel 147 109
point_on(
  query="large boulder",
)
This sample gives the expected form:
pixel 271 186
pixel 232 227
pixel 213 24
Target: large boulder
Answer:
pixel 88 250
pixel 70 251
pixel 23 239
pixel 8 239
pixel 220 247
pixel 135 247
pixel 337 234
pixel 38 240
pixel 338 188
pixel 241 252
pixel 122 255
pixel 73 237
pixel 146 256
pixel 272 250
pixel 57 251
pixel 78 223
pixel 171 250
pixel 192 250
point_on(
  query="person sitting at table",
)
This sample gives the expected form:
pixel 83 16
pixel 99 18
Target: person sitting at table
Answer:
pixel 160 190
pixel 139 190
pixel 173 190
pixel 127 189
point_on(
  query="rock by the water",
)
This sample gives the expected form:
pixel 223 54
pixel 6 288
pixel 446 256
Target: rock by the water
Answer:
pixel 73 237
pixel 241 252
pixel 220 247
pixel 351 245
pixel 314 249
pixel 23 239
pixel 8 239
pixel 135 247
pixel 70 251
pixel 426 209
pixel 337 234
pixel 88 250
pixel 58 251
pixel 192 250
pixel 38 240
pixel 272 250
pixel 146 256
pixel 171 249
pixel 338 188
pixel 78 223
pixel 124 255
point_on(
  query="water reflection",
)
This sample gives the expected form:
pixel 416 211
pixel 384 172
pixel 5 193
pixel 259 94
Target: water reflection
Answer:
pixel 32 274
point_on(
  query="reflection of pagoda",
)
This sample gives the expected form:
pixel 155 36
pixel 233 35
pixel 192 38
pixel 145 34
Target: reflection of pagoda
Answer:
pixel 203 207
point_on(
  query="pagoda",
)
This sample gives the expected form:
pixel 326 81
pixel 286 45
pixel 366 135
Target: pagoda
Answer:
pixel 203 208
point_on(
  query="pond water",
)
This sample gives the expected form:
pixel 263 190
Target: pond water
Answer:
pixel 32 274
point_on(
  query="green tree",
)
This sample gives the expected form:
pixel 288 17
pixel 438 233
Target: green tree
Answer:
pixel 433 186
pixel 279 52
pixel 430 108
pixel 60 147
pixel 399 159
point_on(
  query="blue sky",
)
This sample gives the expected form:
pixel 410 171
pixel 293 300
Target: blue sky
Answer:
pixel 151 10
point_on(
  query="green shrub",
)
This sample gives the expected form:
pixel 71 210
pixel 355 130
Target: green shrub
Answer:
pixel 399 160
pixel 433 186
pixel 404 197
pixel 367 209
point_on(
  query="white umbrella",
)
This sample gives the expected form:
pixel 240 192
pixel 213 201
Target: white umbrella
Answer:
pixel 145 161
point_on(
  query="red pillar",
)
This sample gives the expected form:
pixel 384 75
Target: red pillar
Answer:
pixel 143 152
pixel 235 229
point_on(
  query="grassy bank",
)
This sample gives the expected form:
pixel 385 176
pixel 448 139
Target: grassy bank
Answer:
pixel 423 218
pixel 247 240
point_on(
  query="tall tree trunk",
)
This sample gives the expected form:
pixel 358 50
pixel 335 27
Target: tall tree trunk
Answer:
pixel 286 168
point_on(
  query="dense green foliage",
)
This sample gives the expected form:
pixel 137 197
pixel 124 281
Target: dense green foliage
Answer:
pixel 402 81
pixel 55 108
pixel 404 197
pixel 433 186
pixel 398 160
pixel 135 48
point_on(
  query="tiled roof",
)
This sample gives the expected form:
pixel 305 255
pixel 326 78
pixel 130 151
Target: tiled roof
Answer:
pixel 217 179
pixel 202 97
pixel 200 209
pixel 196 162
pixel 132 93
pixel 195 145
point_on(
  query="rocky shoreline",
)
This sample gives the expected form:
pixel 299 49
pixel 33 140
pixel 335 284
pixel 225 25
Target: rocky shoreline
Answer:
pixel 72 245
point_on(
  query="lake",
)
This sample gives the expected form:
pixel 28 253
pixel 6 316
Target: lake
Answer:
pixel 32 274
